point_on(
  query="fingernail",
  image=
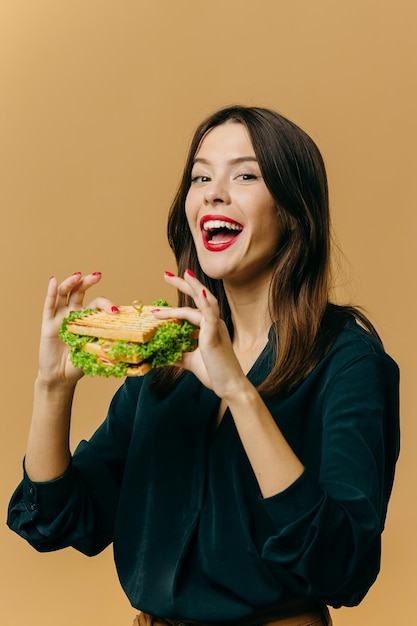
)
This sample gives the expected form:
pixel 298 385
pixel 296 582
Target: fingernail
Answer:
pixel 190 273
pixel 170 274
pixel 96 274
pixel 51 277
pixel 155 310
pixel 114 309
pixel 204 293
pixel 76 273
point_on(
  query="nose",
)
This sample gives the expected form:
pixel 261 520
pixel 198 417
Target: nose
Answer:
pixel 216 192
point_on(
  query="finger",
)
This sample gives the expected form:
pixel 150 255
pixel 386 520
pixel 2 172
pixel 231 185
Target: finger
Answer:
pixel 75 297
pixel 203 298
pixel 191 286
pixel 50 299
pixel 179 283
pixel 65 288
pixel 183 313
pixel 104 304
pixel 57 295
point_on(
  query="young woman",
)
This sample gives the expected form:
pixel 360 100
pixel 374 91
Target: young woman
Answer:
pixel 249 483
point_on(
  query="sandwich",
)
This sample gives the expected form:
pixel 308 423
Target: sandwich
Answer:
pixel 128 343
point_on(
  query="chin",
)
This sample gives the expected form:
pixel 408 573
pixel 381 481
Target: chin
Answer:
pixel 225 274
pixel 214 274
pixel 217 265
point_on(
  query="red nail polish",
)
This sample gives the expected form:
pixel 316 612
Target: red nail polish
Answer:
pixel 190 273
pixel 96 274
pixel 170 274
pixel 76 273
pixel 114 309
pixel 155 310
pixel 204 293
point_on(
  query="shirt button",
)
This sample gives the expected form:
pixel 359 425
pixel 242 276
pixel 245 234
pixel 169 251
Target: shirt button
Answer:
pixel 31 490
pixel 33 507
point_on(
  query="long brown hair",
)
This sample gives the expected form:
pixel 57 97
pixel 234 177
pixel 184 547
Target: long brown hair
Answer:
pixel 305 322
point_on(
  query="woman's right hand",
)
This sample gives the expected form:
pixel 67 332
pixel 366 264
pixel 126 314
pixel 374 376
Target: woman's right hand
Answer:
pixel 55 368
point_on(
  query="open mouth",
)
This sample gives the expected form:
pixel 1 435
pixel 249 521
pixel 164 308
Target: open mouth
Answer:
pixel 219 232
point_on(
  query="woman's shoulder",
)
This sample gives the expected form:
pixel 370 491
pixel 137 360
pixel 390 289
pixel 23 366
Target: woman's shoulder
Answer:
pixel 354 333
pixel 356 342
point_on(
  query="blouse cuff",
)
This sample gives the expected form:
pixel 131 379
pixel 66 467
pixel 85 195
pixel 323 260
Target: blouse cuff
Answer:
pixel 47 498
pixel 301 497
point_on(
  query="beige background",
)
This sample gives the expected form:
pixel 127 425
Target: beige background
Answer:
pixel 98 100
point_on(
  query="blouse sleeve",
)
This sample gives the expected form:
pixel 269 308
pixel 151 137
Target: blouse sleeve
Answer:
pixel 328 531
pixel 78 509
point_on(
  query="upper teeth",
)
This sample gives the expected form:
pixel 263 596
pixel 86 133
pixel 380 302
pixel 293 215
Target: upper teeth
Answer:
pixel 212 224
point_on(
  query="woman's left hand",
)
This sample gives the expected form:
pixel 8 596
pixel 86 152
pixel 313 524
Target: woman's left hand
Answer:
pixel 214 361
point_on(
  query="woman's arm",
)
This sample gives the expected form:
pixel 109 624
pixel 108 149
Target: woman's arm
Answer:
pixel 273 461
pixel 48 453
pixel 215 363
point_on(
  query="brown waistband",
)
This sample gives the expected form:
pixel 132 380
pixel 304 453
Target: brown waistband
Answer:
pixel 296 615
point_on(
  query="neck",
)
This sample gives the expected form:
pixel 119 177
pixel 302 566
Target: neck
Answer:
pixel 250 315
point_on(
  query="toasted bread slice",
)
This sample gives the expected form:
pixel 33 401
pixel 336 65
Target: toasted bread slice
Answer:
pixel 138 370
pixel 127 325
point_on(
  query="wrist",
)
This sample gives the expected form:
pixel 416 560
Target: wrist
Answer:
pixel 61 388
pixel 243 392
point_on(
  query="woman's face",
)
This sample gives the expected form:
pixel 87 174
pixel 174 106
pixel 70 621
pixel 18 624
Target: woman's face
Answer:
pixel 232 215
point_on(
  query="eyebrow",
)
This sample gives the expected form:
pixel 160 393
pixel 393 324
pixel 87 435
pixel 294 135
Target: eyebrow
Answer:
pixel 236 161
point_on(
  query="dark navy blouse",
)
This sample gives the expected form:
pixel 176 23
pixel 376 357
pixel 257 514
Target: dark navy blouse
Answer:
pixel 192 535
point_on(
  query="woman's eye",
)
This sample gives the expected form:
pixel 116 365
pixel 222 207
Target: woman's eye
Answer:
pixel 199 179
pixel 247 177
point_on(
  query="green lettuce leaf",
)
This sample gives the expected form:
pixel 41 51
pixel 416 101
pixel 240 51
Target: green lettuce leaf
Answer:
pixel 73 340
pixel 92 367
